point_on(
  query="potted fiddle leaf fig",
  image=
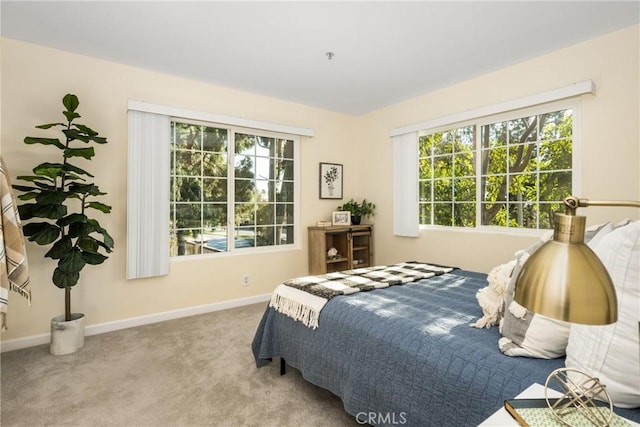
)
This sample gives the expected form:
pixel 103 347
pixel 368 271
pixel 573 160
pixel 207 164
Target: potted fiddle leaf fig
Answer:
pixel 59 201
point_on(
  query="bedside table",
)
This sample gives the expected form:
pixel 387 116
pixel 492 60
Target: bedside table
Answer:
pixel 501 417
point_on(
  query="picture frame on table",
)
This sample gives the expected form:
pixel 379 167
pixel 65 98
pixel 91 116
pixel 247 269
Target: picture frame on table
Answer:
pixel 331 180
pixel 341 218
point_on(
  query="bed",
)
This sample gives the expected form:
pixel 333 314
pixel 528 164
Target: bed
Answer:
pixel 406 354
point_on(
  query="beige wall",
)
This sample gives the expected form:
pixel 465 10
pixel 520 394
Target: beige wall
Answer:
pixel 35 78
pixel 609 153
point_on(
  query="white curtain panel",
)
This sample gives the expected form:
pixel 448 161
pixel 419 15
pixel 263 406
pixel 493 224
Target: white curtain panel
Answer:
pixel 148 195
pixel 405 185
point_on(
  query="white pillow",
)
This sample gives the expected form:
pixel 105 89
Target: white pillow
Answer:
pixel 612 352
pixel 491 298
pixel 525 333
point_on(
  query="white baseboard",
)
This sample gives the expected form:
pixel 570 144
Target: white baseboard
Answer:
pixel 101 328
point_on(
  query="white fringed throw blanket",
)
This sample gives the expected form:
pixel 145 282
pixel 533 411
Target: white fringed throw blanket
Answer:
pixel 303 298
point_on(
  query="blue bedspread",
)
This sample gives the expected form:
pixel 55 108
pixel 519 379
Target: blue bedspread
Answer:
pixel 405 354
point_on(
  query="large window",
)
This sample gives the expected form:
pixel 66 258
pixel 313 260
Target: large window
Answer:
pixel 231 189
pixel 507 172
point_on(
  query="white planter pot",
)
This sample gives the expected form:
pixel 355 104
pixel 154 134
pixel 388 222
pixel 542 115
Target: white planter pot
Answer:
pixel 67 337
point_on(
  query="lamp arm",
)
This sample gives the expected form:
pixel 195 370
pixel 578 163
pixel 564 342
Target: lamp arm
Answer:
pixel 572 203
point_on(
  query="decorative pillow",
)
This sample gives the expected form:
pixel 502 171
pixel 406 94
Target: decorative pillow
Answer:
pixel 525 333
pixel 491 298
pixel 594 234
pixel 612 352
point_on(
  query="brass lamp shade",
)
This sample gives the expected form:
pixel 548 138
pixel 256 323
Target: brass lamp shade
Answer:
pixel 565 280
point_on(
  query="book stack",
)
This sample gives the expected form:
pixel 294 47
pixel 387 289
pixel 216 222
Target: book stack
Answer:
pixel 537 413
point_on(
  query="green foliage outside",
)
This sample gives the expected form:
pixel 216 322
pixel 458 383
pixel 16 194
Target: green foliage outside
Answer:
pixel 525 172
pixel 263 190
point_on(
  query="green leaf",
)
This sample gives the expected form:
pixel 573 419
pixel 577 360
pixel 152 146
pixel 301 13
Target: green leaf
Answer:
pixel 24 188
pixel 72 262
pixel 86 129
pixel 70 102
pixel 36 180
pixel 63 279
pixel 99 140
pixel 71 195
pixel 36 210
pixel 49 210
pixel 44 141
pixel 108 240
pixel 51 197
pixel 58 169
pixel 94 258
pixel 71 168
pixel 71 116
pixel 42 233
pixel 51 170
pixel 59 249
pixel 28 196
pixel 70 177
pixel 87 153
pixel 74 134
pixel 73 218
pixel 88 244
pixel 46 185
pixel 80 229
pixel 49 125
pixel 99 206
pixel 107 248
pixel 89 189
pixel 26 211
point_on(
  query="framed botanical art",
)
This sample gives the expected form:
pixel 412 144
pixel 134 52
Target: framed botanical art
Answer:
pixel 341 218
pixel 330 181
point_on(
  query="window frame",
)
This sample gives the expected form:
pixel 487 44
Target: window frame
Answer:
pixel 232 131
pixel 478 122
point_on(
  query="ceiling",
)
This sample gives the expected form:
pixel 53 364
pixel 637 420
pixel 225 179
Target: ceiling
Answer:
pixel 384 52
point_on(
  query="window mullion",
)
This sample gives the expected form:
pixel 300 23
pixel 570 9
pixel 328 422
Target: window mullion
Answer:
pixel 507 170
pixel 433 185
pixel 478 174
pixel 201 149
pixel 538 147
pixel 453 180
pixel 173 188
pixel 231 202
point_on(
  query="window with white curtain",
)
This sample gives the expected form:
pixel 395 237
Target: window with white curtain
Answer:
pixel 201 183
pixel 501 166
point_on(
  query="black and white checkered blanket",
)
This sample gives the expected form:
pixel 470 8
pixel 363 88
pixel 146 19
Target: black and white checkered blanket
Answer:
pixel 302 298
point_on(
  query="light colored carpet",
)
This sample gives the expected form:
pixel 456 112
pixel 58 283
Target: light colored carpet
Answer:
pixel 196 371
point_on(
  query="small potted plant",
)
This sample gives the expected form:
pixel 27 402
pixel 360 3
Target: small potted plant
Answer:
pixel 59 200
pixel 359 210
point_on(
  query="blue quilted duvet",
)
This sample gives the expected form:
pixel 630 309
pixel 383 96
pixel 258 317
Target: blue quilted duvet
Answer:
pixel 405 354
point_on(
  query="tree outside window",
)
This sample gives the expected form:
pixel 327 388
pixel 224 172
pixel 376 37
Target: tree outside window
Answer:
pixel 214 208
pixel 511 173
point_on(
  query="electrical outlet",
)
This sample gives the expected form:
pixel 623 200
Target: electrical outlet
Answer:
pixel 245 280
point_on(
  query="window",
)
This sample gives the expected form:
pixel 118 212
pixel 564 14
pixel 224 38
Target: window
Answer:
pixel 231 189
pixel 506 172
